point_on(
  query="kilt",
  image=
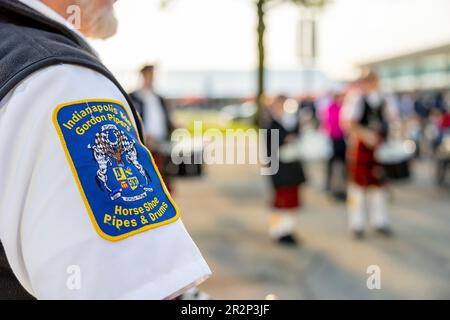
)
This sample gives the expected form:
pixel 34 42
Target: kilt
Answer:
pixel 363 169
pixel 287 197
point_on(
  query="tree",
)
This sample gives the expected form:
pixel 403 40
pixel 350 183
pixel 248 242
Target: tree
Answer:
pixel 261 7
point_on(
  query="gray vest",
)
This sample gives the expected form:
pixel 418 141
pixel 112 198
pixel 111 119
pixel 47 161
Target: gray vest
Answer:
pixel 30 42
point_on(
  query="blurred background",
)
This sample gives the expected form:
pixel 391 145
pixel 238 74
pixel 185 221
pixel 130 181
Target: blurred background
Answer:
pixel 224 61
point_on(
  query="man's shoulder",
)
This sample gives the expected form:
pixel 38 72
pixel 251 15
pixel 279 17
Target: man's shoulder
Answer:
pixel 20 46
pixel 25 51
pixel 59 84
pixel 40 43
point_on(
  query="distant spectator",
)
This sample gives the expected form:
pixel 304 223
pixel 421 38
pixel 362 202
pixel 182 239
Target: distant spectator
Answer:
pixel 406 105
pixel 156 118
pixel 443 125
pixel 331 123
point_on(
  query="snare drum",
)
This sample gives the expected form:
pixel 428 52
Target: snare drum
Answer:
pixel 395 156
pixel 312 145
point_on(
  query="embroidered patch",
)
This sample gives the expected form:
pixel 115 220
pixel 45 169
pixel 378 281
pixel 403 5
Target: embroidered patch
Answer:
pixel 116 175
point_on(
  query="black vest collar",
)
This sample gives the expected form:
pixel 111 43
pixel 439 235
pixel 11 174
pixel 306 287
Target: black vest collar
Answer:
pixel 18 13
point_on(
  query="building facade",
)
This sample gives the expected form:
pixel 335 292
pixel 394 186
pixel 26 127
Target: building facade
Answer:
pixel 425 70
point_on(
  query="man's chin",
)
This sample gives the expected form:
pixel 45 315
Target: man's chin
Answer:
pixel 104 27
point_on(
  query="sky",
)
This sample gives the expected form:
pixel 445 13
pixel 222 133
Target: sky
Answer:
pixel 221 34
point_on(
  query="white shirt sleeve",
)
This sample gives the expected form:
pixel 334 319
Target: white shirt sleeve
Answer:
pixel 352 108
pixel 48 236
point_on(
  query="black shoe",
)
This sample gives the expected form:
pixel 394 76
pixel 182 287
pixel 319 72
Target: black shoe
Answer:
pixel 340 196
pixel 288 240
pixel 358 234
pixel 385 232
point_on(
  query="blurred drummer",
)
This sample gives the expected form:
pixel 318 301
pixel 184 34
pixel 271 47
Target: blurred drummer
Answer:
pixel 286 182
pixel 366 116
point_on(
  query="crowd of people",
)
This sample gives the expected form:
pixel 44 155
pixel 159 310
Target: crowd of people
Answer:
pixel 358 120
pixel 362 125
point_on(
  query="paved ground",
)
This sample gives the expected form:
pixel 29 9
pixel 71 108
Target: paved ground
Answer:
pixel 226 213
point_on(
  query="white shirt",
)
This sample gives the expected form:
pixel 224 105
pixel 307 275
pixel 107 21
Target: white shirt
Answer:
pixel 44 225
pixel 353 105
pixel 155 123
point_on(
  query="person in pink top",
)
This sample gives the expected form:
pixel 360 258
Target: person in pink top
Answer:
pixel 331 123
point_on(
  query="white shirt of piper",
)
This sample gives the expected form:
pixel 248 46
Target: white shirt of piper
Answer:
pixel 120 185
pixel 154 118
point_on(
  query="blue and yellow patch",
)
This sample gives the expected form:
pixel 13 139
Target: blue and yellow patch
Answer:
pixel 116 175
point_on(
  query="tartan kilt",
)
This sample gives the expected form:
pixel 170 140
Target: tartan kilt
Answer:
pixel 363 169
pixel 287 197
